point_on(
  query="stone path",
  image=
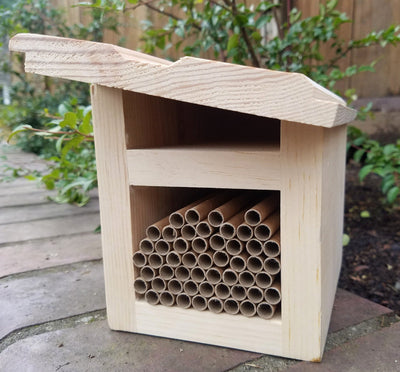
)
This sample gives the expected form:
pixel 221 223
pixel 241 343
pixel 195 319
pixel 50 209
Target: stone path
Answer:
pixel 52 313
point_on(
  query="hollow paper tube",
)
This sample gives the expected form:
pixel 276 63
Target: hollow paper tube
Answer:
pixel 167 298
pixel 199 244
pixel 177 218
pixel 155 260
pixel 231 306
pixel 264 280
pixel 139 259
pixel 190 287
pixel 268 227
pixel 244 232
pixel 173 259
pixel 238 263
pixel 158 284
pixel 272 265
pixel 255 294
pixel 273 294
pixel 222 291
pixel 153 232
pixel 221 258
pixel 265 310
pixel 206 289
pixel 162 247
pixel 148 273
pixel 188 232
pixel 152 297
pixel 246 279
pixel 183 300
pixel 234 247
pixel 214 275
pixel 254 247
pixel 204 229
pixel 175 286
pixel 217 242
pixel 196 214
pixel 182 273
pixel 146 246
pixel 230 277
pixel 181 245
pixel 228 228
pixel 272 247
pixel 189 259
pixel 205 260
pixel 169 233
pixel 255 264
pixel 199 303
pixel 238 292
pixel 215 305
pixel 166 272
pixel 247 308
pixel 262 210
pixel 141 286
pixel 197 274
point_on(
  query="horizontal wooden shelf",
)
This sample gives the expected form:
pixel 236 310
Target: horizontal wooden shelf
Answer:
pixel 214 166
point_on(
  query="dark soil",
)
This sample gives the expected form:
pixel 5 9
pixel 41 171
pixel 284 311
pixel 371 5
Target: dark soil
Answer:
pixel 371 261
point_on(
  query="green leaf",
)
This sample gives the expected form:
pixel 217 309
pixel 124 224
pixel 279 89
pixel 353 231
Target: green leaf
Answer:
pixel 19 129
pixel 345 240
pixel 70 120
pixel 86 126
pixel 233 42
pixel 365 214
pixel 392 194
pixel 358 155
pixel 364 171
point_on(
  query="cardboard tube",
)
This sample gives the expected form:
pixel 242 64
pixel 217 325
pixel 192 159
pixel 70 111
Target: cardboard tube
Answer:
pixel 175 286
pixel 167 298
pixel 156 260
pixel 189 259
pixel 148 273
pixel 182 273
pixel 273 294
pixel 215 305
pixel 141 286
pixel 158 284
pixel 265 310
pixel 272 265
pixel 264 280
pixel 272 247
pixel 238 263
pixel 146 246
pixel 152 297
pixel 197 274
pixel 214 275
pixel 244 232
pixel 205 260
pixel 255 294
pixel 153 232
pixel 247 308
pixel 173 259
pixel 181 245
pixel 177 218
pixel 255 264
pixel 246 279
pixel 199 244
pixel 228 228
pixel 169 233
pixel 183 300
pixel 166 272
pixel 262 210
pixel 199 303
pixel 162 247
pixel 204 229
pixel 254 247
pixel 217 242
pixel 221 258
pixel 206 289
pixel 230 277
pixel 188 232
pixel 222 291
pixel 190 287
pixel 234 247
pixel 238 292
pixel 231 306
pixel 268 227
pixel 139 259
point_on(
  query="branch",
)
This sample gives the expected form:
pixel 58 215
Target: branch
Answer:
pixel 60 132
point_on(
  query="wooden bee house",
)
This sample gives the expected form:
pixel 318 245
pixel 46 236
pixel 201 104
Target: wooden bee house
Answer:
pixel 166 134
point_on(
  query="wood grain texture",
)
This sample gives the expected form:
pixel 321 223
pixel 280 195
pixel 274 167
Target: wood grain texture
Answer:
pixel 274 94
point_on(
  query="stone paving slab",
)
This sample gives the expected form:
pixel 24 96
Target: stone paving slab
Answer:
pixel 32 198
pixel 14 188
pixel 44 253
pixel 55 293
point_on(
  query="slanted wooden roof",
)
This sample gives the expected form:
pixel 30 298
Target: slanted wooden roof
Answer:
pixel 262 92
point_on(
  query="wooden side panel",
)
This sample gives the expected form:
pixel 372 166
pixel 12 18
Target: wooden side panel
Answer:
pixel 301 161
pixel 115 211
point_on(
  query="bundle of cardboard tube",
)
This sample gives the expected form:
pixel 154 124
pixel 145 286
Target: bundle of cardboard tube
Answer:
pixel 220 253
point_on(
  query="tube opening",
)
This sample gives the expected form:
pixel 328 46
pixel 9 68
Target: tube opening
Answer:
pixel 182 273
pixel 175 286
pixel 152 297
pixel 203 229
pixel 215 218
pixel 255 264
pixel 199 303
pixel 188 232
pixel 206 289
pixel 140 285
pixel 153 233
pixel 238 263
pixel 255 295
pixel 167 299
pixel 234 247
pixel 217 242
pixel 230 277
pixel 169 233
pixel 263 280
pixel 192 217
pixel 252 217
pixel 231 306
pixel 162 247
pixel 254 247
pixel 181 245
pixel 272 248
pixel 197 274
pixel 147 273
pixel 222 291
pixel 183 300
pixel 244 232
pixel 190 287
pixel 173 259
pixel 146 246
pixel 166 272
pixel 155 260
pixel 176 220
pixel 215 305
pixel 213 275
pixel 246 279
pixel 262 232
pixel 189 259
pixel 158 284
pixel 238 292
pixel 227 230
pixel 221 258
pixel 139 259
pixel 265 310
pixel 205 261
pixel 272 266
pixel 272 296
pixel 247 308
pixel 199 244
